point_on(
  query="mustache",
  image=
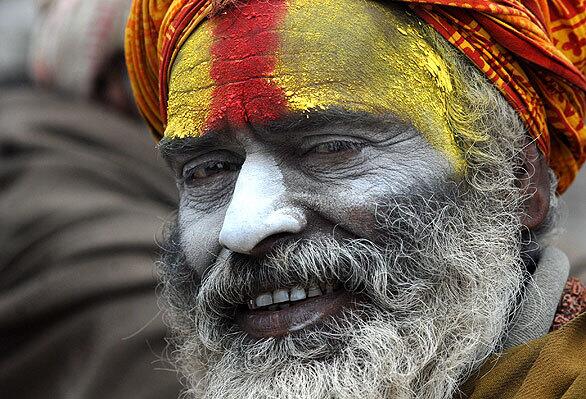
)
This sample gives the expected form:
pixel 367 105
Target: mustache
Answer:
pixel 321 261
pixel 390 272
pixel 435 258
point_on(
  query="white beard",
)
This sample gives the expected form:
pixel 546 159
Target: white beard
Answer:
pixel 439 297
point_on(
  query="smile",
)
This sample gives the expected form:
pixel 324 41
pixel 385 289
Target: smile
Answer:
pixel 287 310
pixel 282 297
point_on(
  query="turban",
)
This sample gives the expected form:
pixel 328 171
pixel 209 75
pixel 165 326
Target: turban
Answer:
pixel 533 51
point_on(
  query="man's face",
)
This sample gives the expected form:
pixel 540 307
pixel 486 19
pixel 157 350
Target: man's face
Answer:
pixel 362 116
pixel 326 238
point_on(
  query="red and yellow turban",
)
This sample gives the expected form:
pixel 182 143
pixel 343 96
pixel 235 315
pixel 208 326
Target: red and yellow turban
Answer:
pixel 533 51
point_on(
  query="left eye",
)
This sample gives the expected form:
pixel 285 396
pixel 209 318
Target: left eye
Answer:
pixel 331 147
pixel 208 169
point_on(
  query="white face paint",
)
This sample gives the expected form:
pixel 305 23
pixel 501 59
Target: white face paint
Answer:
pixel 258 208
pixel 356 133
pixel 303 184
pixel 426 165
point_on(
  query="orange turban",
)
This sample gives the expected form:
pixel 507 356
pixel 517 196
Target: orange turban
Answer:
pixel 533 51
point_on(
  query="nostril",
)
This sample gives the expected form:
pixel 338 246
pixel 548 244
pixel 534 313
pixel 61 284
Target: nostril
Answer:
pixel 269 243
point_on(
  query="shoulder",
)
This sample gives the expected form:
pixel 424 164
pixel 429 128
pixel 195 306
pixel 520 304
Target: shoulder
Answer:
pixel 551 367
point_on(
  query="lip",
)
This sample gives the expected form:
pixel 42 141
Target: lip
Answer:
pixel 277 323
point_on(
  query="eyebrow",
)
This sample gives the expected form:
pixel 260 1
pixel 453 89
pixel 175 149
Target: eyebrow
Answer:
pixel 174 149
pixel 314 120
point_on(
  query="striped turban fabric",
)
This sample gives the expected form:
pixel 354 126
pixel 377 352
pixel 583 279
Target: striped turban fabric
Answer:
pixel 533 51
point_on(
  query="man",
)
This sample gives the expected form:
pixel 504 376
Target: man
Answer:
pixel 364 209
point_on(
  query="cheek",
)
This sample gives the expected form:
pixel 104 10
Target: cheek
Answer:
pixel 352 203
pixel 199 236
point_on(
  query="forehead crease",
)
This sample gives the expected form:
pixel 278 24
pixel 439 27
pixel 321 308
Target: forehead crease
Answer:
pixel 330 118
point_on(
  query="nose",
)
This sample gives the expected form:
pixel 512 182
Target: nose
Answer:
pixel 259 208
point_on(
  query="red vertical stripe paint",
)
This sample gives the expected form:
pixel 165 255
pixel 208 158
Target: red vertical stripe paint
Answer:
pixel 243 58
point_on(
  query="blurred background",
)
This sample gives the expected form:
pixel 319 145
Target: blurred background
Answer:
pixel 573 236
pixel 83 196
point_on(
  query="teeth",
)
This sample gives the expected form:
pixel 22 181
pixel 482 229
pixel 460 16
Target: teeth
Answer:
pixel 313 291
pixel 265 299
pixel 297 294
pixel 280 296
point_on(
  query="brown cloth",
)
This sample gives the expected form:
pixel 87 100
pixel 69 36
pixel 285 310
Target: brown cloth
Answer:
pixel 551 367
pixel 82 195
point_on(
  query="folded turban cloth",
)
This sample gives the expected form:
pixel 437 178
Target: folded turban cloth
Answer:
pixel 533 51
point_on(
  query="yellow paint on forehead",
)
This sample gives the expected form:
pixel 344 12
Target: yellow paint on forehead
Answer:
pixel 191 86
pixel 364 56
pixel 358 55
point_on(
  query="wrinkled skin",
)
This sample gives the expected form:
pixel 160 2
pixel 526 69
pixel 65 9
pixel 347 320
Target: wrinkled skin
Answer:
pixel 326 182
pixel 242 186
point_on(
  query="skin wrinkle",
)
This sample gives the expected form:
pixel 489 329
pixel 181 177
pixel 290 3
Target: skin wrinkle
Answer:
pixel 343 195
pixel 211 223
pixel 216 200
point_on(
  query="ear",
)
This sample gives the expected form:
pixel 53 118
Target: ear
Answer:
pixel 533 179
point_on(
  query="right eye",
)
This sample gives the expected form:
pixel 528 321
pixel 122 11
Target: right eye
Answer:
pixel 336 146
pixel 200 172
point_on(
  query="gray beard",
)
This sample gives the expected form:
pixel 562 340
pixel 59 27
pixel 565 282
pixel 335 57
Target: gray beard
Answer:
pixel 434 296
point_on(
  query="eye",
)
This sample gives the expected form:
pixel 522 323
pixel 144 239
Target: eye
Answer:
pixel 336 146
pixel 205 170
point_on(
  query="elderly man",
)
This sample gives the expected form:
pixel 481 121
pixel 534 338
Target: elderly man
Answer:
pixel 364 205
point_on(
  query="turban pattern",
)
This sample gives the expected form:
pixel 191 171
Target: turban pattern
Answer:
pixel 533 51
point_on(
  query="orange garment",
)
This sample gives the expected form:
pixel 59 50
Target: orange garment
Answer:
pixel 533 51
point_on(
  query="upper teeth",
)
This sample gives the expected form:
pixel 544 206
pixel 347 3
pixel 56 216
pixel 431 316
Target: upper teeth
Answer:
pixel 284 295
pixel 314 290
pixel 297 294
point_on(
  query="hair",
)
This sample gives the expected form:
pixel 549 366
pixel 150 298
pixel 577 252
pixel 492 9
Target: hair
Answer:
pixel 488 130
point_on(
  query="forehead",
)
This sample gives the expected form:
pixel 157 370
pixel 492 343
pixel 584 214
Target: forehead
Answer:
pixel 264 60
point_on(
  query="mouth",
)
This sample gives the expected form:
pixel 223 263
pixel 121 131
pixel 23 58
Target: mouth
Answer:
pixel 287 310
